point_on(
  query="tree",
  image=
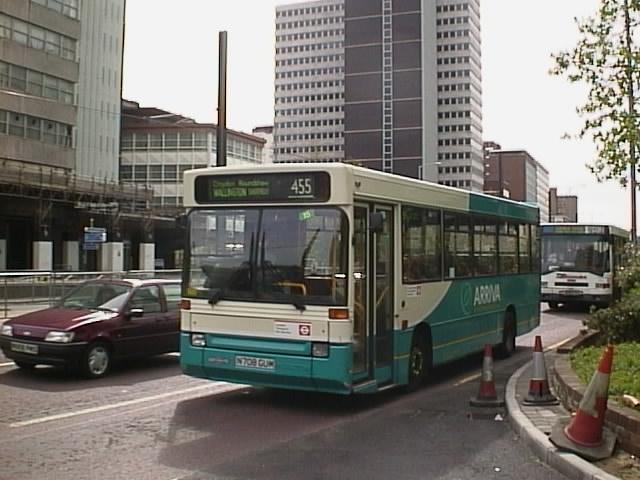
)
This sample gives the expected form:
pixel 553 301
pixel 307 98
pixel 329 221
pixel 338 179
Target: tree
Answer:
pixel 607 59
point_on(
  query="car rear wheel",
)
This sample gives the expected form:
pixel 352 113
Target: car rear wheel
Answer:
pixel 96 360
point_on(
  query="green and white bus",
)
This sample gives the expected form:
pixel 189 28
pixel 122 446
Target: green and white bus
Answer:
pixel 579 262
pixel 336 278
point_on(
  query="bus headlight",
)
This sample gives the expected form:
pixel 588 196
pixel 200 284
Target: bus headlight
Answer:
pixel 320 349
pixel 198 340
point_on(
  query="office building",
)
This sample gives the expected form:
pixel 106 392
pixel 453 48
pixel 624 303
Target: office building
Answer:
pixel 413 89
pixel 517 175
pixel 562 208
pixel 99 91
pixel 55 180
pixel 309 82
pixel 158 146
pixel 266 133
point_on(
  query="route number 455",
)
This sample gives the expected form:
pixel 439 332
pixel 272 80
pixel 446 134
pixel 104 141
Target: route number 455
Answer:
pixel 301 186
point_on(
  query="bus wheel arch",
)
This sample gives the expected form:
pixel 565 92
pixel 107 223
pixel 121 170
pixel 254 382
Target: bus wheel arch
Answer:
pixel 507 346
pixel 420 357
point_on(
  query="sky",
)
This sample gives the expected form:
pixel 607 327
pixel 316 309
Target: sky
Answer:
pixel 170 62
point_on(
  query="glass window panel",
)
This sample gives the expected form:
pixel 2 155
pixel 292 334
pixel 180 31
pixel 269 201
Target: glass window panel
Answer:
pixel 186 140
pixel 170 172
pixel 4 74
pixel 18 78
pixel 140 173
pixel 20 31
pixel 52 43
pixel 66 91
pixel 127 141
pixel 33 128
pixel 51 87
pixel 200 140
pixel 155 141
pixel 155 172
pixel 34 83
pixel 170 141
pixel 49 132
pixel 126 172
pixel 16 124
pixel 68 48
pixel 141 141
pixel 36 37
pixel 3 121
pixel 5 27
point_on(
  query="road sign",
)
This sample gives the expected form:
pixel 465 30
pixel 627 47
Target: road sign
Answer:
pixel 95 235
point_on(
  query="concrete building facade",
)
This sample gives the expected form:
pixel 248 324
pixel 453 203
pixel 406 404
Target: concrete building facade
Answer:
pixel 309 82
pixel 562 208
pixel 53 181
pixel 413 89
pixel 98 123
pixel 266 133
pixel 517 175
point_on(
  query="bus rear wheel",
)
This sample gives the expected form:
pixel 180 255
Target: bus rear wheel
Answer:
pixel 419 361
pixel 508 344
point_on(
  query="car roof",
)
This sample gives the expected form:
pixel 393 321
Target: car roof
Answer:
pixel 137 282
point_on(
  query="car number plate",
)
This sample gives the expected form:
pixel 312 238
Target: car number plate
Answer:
pixel 256 362
pixel 24 348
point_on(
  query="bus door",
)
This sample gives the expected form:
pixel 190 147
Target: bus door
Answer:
pixel 373 284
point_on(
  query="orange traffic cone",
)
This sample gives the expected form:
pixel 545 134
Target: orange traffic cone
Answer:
pixel 585 434
pixel 487 396
pixel 539 393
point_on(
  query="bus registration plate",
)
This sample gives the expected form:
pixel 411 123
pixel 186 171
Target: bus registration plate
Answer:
pixel 571 293
pixel 256 362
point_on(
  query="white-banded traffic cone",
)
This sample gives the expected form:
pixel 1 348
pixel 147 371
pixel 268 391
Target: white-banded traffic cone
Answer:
pixel 539 392
pixel 487 396
pixel 585 434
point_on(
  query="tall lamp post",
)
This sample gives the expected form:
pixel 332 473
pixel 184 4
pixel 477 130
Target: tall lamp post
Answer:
pixel 632 113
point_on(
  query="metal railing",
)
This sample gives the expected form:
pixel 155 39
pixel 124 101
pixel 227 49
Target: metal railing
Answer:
pixel 28 290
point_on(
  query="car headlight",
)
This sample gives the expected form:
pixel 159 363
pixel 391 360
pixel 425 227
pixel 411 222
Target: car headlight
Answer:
pixel 7 330
pixel 59 337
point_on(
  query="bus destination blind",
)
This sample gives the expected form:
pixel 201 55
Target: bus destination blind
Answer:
pixel 266 187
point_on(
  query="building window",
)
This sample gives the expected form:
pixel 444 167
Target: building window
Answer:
pixel 68 8
pixel 38 38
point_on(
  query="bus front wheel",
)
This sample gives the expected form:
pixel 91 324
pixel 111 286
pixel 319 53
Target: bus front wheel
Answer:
pixel 419 361
pixel 553 305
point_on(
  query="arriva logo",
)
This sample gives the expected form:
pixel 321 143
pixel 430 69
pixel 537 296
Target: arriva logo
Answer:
pixel 486 294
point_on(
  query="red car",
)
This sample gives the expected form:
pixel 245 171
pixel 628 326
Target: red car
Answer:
pixel 97 323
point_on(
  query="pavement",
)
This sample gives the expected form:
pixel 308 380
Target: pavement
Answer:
pixel 534 423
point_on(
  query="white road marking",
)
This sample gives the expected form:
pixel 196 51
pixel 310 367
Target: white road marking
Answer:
pixel 8 364
pixel 219 388
pixel 467 379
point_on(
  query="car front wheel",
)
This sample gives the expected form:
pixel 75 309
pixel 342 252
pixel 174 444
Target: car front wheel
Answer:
pixel 96 360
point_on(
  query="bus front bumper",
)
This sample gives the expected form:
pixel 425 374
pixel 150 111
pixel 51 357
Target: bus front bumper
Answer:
pixel 574 297
pixel 268 369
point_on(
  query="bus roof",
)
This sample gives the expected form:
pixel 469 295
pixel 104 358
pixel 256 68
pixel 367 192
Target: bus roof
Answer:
pixel 587 228
pixel 375 184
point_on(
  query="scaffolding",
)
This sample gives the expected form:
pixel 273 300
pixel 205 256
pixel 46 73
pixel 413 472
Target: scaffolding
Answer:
pixel 58 185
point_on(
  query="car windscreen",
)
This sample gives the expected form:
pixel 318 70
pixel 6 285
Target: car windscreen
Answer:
pixel 97 295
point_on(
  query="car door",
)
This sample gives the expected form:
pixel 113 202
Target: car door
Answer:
pixel 139 333
pixel 170 323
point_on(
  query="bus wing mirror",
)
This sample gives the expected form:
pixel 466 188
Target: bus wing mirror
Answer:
pixel 376 222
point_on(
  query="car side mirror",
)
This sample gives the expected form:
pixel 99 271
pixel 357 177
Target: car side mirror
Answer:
pixel 135 313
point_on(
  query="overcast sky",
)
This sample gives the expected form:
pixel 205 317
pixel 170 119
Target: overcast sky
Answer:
pixel 170 62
